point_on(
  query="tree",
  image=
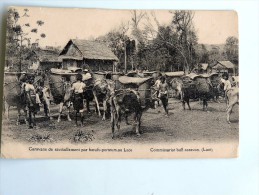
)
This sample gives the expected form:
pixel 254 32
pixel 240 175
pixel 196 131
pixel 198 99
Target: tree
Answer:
pixel 181 37
pixel 19 41
pixel 231 49
pixel 116 40
pixel 203 54
pixel 136 17
pixel 187 39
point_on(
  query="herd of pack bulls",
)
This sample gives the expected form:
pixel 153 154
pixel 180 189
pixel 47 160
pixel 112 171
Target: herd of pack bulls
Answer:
pixel 119 95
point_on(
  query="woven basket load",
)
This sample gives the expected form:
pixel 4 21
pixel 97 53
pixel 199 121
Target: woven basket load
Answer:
pixel 188 82
pixel 215 80
pixel 202 85
pixel 58 86
pixel 12 85
pixel 142 85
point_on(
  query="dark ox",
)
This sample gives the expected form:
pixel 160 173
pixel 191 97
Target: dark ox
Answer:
pixel 125 102
pixel 201 89
pixel 14 94
pixel 130 101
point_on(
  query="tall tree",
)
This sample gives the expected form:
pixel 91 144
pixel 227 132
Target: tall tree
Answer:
pixel 182 39
pixel 18 40
pixel 116 40
pixel 136 17
pixel 202 53
pixel 231 49
pixel 182 24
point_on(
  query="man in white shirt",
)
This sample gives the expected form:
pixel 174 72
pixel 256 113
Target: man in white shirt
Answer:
pixel 226 82
pixel 78 89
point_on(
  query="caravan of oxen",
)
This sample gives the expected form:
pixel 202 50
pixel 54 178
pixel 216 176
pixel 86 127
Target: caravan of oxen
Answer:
pixel 124 95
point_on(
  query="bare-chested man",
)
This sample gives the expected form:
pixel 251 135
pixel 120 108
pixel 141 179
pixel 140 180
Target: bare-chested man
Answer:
pixel 163 94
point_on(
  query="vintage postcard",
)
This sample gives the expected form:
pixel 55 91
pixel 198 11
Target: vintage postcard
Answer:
pixel 100 83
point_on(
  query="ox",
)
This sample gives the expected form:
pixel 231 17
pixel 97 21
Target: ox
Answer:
pixel 232 98
pixel 197 87
pixel 125 102
pixel 14 94
pixel 60 87
pixel 103 87
pixel 134 96
pixel 102 91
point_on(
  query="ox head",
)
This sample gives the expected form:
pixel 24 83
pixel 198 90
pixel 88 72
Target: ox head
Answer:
pixel 176 86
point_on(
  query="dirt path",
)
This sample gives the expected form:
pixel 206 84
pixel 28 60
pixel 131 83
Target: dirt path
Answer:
pixel 181 126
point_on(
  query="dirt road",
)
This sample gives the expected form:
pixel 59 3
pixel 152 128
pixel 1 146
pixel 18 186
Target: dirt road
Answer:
pixel 181 126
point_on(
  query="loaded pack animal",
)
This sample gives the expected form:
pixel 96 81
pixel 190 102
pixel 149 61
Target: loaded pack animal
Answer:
pixel 217 86
pixel 102 90
pixel 194 87
pixel 60 87
pixel 132 98
pixel 14 93
pixel 232 98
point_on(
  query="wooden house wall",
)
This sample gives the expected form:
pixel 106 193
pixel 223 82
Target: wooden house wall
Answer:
pixel 49 65
pixel 99 65
pixel 93 65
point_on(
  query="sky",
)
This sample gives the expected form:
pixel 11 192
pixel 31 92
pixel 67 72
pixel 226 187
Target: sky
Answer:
pixel 63 24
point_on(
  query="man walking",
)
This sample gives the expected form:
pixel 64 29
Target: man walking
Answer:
pixel 163 94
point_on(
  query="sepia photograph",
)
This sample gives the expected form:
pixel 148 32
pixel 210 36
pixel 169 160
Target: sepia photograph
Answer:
pixel 103 83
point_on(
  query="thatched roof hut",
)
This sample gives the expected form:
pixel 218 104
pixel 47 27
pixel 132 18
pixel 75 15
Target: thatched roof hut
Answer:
pixel 88 54
pixel 225 66
pixel 45 59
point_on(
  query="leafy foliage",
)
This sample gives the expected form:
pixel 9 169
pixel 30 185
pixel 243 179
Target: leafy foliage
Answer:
pixel 19 50
pixel 231 48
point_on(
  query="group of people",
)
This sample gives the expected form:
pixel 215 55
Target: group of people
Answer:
pixel 30 97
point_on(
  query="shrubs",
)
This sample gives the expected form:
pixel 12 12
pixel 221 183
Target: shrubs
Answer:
pixel 81 136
